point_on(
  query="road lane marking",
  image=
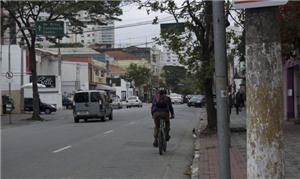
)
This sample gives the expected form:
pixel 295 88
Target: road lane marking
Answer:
pixel 107 132
pixel 131 123
pixel 61 149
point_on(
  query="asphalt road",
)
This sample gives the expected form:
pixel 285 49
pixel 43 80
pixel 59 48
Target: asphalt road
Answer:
pixel 121 148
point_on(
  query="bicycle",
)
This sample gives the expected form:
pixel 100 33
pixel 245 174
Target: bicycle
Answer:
pixel 162 136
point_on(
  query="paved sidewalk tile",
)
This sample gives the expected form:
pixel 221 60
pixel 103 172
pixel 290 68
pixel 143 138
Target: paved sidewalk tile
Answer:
pixel 209 160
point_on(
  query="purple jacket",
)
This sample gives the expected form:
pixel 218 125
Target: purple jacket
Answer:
pixel 155 109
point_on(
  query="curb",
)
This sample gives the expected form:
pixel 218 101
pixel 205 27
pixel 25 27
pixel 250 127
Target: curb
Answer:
pixel 196 159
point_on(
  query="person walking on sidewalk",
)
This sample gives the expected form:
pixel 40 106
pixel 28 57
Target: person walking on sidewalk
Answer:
pixel 230 101
pixel 161 108
pixel 238 101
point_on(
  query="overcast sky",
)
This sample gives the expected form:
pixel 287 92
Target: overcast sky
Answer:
pixel 137 34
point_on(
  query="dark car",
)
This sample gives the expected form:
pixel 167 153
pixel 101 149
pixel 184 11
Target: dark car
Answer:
pixel 44 107
pixel 67 102
pixel 197 101
pixel 7 104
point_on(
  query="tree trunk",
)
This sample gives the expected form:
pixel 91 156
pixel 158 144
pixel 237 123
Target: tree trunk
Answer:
pixel 210 107
pixel 35 93
pixel 264 94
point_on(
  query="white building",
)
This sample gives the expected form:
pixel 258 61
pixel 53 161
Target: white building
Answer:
pixel 92 33
pixel 169 58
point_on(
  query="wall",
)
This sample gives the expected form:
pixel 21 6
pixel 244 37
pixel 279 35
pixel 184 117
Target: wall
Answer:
pixel 15 56
pixel 74 76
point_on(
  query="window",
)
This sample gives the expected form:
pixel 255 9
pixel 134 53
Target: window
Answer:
pixel 102 73
pixel 95 96
pixel 81 97
pixel 97 72
pixel 88 35
pixel 82 41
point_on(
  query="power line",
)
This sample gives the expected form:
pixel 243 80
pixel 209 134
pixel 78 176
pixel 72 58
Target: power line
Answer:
pixel 126 25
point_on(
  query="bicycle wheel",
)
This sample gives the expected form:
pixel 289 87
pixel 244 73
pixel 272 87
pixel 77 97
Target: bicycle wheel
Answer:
pixel 165 142
pixel 160 142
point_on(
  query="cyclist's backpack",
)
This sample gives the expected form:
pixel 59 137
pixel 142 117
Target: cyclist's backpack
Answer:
pixel 162 102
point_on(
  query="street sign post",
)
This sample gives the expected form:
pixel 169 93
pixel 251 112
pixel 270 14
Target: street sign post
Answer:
pixel 50 28
pixel 244 4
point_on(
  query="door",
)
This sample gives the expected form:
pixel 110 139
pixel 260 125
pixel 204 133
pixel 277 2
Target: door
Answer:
pixel 297 92
pixel 96 103
pixel 81 103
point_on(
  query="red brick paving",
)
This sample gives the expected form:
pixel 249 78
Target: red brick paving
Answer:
pixel 208 168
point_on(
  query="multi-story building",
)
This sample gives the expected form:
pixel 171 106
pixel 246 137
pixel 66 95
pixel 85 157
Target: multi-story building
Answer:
pixel 92 34
pixel 169 58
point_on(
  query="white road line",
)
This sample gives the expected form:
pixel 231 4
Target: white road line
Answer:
pixel 131 123
pixel 107 132
pixel 61 149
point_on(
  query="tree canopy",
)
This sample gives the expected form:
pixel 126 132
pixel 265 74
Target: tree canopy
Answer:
pixel 290 29
pixel 139 74
pixel 27 13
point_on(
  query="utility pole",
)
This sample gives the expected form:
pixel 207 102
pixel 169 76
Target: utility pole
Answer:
pixel 59 77
pixel 221 89
pixel 9 70
pixel 21 43
pixel 264 94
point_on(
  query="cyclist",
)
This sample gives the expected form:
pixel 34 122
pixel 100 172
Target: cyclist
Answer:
pixel 161 108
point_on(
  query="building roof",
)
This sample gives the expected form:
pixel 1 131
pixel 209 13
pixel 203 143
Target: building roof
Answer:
pixel 75 52
pixel 78 59
pixel 114 69
pixel 121 55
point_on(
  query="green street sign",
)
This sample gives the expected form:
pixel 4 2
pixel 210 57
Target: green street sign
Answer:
pixel 50 28
pixel 177 28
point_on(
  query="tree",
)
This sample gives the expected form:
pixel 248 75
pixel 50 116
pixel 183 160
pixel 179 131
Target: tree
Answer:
pixel 139 74
pixel 195 46
pixel 289 19
pixel 173 75
pixel 27 13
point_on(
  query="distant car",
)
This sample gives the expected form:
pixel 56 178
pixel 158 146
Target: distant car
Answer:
pixel 133 101
pixel 176 98
pixel 116 103
pixel 44 107
pixel 197 101
pixel 67 102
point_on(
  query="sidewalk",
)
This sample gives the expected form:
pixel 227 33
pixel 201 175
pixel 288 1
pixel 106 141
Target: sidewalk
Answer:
pixel 205 165
pixel 22 119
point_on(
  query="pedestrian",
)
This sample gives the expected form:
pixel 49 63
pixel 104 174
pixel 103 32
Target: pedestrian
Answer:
pixel 238 101
pixel 230 101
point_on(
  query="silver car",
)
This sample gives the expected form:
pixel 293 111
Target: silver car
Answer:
pixel 92 104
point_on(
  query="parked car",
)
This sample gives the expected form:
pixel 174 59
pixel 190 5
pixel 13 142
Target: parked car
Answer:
pixel 7 104
pixel 44 107
pixel 197 101
pixel 116 103
pixel 176 98
pixel 133 101
pixel 67 102
pixel 92 104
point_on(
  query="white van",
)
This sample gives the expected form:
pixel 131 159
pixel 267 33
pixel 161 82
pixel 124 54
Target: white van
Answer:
pixel 92 104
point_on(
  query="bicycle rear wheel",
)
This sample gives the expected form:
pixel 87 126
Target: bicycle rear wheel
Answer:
pixel 160 142
pixel 165 142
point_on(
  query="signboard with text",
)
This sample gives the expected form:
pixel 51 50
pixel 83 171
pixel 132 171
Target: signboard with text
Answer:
pixel 244 4
pixel 47 80
pixel 50 28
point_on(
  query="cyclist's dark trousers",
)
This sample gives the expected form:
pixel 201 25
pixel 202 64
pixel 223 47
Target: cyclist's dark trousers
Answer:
pixel 156 117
